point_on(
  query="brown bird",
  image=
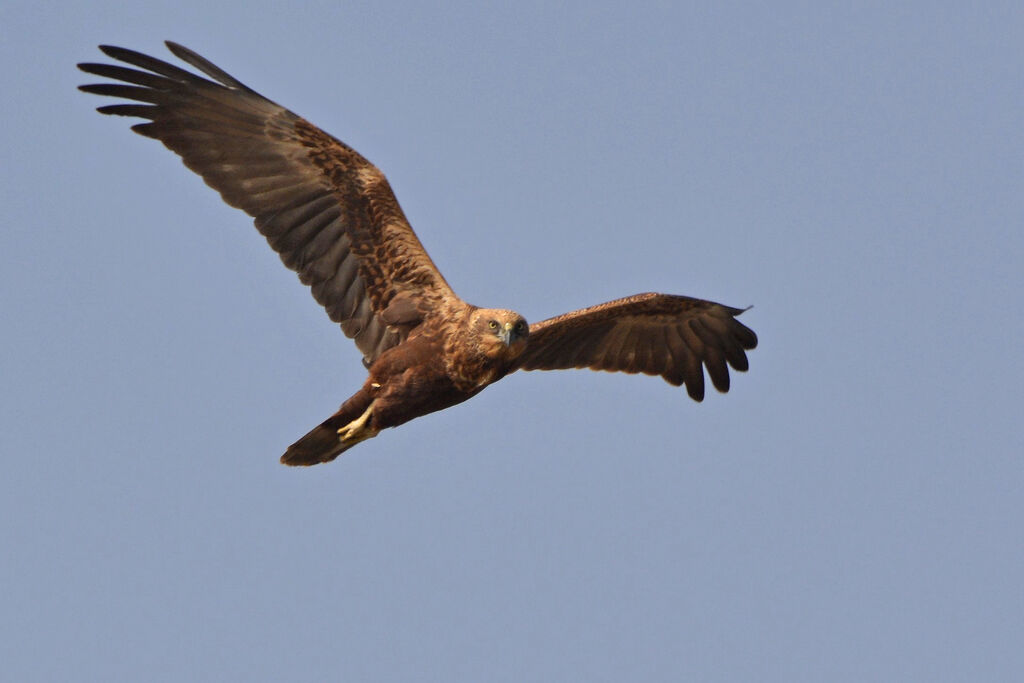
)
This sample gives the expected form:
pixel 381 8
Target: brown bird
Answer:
pixel 333 218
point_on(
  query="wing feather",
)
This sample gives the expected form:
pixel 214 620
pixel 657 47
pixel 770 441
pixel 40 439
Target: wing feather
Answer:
pixel 326 210
pixel 676 337
pixel 644 353
pixel 714 361
pixel 610 349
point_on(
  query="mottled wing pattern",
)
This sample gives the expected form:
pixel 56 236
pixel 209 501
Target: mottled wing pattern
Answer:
pixel 656 334
pixel 327 211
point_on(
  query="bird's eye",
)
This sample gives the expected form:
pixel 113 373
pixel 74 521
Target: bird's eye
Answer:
pixel 520 327
pixel 493 324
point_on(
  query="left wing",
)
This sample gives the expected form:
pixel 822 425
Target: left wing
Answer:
pixel 656 334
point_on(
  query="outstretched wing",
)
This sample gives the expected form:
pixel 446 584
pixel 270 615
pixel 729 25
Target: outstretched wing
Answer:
pixel 656 334
pixel 327 211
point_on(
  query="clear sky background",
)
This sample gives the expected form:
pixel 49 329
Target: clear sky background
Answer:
pixel 852 510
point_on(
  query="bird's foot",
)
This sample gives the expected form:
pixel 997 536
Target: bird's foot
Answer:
pixel 357 430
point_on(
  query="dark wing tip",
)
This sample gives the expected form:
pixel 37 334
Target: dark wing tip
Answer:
pixel 144 61
pixel 749 339
pixel 746 336
pixel 206 66
pixel 120 53
pixel 142 111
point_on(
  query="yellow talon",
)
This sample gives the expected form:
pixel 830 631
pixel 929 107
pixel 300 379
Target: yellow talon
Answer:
pixel 356 430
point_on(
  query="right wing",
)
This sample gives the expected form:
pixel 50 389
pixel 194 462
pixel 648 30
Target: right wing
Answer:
pixel 327 211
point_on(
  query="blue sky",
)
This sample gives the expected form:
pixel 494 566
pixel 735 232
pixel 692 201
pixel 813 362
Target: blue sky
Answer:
pixel 852 510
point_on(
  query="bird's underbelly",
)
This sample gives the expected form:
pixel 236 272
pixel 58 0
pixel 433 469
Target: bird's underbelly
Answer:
pixel 413 394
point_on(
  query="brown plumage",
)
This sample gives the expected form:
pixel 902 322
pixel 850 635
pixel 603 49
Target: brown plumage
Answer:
pixel 333 218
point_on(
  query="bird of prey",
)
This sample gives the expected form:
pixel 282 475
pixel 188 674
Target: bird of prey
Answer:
pixel 332 218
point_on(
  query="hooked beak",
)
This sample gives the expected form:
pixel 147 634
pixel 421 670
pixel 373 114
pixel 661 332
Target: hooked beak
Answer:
pixel 508 334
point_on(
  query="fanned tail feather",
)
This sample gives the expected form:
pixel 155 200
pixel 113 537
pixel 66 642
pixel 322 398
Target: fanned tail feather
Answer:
pixel 322 443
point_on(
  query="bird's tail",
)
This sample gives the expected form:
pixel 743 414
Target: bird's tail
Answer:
pixel 335 435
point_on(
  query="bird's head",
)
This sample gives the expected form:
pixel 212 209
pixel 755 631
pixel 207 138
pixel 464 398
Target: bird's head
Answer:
pixel 502 333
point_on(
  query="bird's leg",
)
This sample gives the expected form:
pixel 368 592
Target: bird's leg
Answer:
pixel 356 430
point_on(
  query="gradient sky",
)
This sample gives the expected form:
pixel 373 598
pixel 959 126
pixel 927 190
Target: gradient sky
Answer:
pixel 852 510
